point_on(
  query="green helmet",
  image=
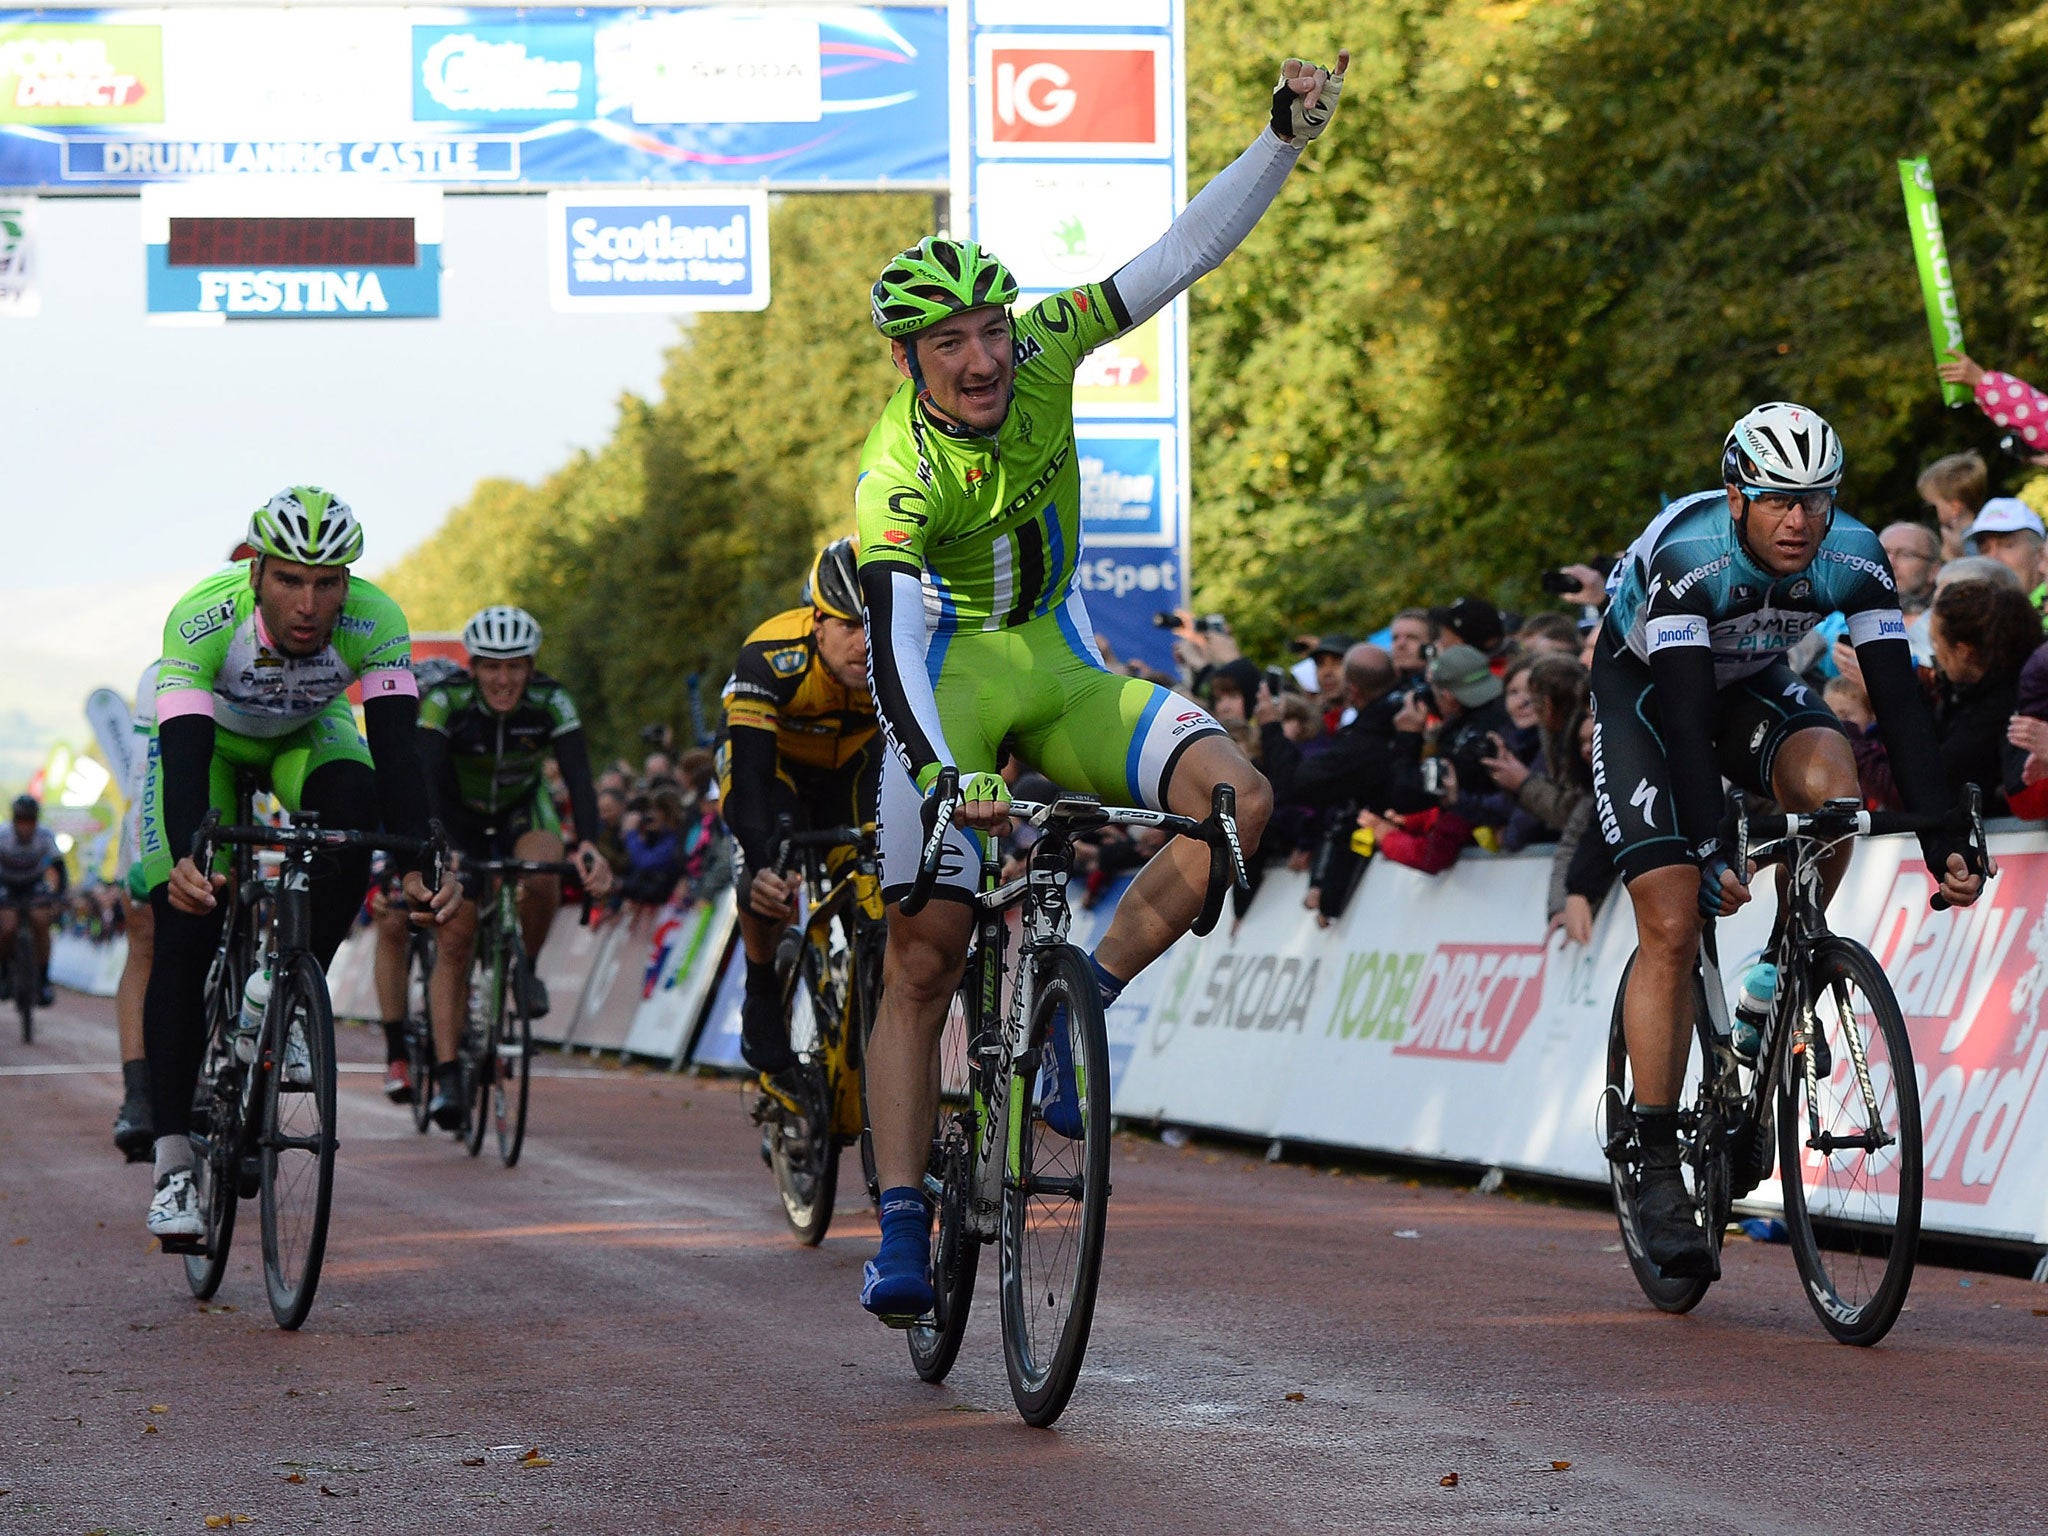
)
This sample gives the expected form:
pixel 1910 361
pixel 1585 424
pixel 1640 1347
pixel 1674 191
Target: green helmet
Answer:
pixel 307 525
pixel 936 278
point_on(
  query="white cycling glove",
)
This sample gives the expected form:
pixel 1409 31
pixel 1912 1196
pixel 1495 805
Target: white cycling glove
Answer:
pixel 1300 119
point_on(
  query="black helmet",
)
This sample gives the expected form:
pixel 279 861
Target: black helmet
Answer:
pixel 834 583
pixel 26 808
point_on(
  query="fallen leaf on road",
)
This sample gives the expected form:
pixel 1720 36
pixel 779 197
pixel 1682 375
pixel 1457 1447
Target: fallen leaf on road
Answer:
pixel 1407 1232
pixel 159 1407
pixel 1297 1397
pixel 1448 1480
pixel 296 1477
pixel 222 1522
pixel 2041 1311
pixel 1560 1466
pixel 149 1429
pixel 472 1461
pixel 19 1241
pixel 329 1491
pixel 533 1458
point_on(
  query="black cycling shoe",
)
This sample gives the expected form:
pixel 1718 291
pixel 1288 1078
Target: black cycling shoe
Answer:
pixel 445 1107
pixel 1668 1228
pixel 533 992
pixel 47 997
pixel 135 1128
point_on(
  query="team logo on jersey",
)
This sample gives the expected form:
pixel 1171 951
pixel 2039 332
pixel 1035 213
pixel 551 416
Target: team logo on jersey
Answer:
pixel 976 476
pixel 789 661
pixel 1027 348
pixel 1744 593
pixel 206 623
pixel 1800 590
pixel 1080 298
pixel 358 626
pixel 1645 800
pixel 895 536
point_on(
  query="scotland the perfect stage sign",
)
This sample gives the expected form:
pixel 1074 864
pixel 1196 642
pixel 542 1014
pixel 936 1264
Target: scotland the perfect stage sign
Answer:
pixel 657 251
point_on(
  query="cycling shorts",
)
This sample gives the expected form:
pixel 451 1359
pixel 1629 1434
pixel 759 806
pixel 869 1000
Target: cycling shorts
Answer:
pixel 1752 718
pixel 1042 689
pixel 283 764
pixel 814 797
pixel 491 834
pixel 26 893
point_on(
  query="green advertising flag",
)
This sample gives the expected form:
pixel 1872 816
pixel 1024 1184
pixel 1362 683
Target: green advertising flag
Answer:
pixel 1937 282
pixel 60 75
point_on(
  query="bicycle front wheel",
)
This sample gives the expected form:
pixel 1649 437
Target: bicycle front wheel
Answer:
pixel 1055 1189
pixel 419 1028
pixel 216 1148
pixel 296 1147
pixel 511 1074
pixel 1849 1144
pixel 801 1148
pixel 1624 1163
pixel 25 978
pixel 478 1052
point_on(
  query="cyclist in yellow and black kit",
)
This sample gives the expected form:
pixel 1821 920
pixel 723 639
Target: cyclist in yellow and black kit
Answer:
pixel 800 741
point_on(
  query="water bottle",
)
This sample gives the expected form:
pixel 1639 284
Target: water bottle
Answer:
pixel 1759 986
pixel 255 1002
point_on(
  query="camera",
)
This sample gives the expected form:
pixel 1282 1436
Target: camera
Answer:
pixel 1560 583
pixel 2017 446
pixel 1212 624
pixel 1276 682
pixel 654 735
pixel 1433 776
pixel 1166 618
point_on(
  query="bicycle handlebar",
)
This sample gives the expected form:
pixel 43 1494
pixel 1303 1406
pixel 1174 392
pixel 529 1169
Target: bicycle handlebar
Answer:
pixel 1839 819
pixel 789 841
pixel 212 837
pixel 1079 813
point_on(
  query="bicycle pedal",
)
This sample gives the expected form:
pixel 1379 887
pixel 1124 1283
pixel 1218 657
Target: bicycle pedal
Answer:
pixel 899 1321
pixel 192 1246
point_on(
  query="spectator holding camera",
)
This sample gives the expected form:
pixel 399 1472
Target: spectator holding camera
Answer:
pixel 1546 692
pixel 1454 776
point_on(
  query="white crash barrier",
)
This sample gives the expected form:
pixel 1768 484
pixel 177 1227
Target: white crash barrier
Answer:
pixel 635 982
pixel 87 966
pixel 1435 1021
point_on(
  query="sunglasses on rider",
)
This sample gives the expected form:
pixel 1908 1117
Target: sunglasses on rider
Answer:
pixel 1815 502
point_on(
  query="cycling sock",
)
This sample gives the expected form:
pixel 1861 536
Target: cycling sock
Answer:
pixel 135 1080
pixel 1657 1134
pixel 394 1040
pixel 1112 988
pixel 906 1227
pixel 448 1078
pixel 172 1153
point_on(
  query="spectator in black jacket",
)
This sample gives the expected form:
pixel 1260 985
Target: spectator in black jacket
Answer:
pixel 1468 701
pixel 1355 763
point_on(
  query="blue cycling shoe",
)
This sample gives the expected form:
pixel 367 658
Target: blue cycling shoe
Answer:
pixel 894 1286
pixel 1061 1106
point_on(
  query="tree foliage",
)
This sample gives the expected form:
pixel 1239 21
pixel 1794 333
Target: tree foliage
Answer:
pixel 1548 251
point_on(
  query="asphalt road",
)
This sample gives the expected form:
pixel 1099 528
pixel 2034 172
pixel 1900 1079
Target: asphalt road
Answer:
pixel 1278 1349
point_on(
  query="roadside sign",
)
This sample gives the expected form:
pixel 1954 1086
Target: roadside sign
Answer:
pixel 678 251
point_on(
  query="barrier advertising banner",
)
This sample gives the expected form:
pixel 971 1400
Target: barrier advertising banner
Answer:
pixel 19 297
pixel 789 95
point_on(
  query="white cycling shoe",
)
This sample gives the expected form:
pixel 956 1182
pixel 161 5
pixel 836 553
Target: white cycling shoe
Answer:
pixel 174 1212
pixel 298 1062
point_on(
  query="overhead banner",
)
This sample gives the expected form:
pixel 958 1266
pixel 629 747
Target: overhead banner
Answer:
pixel 789 96
pixel 671 252
pixel 1075 163
pixel 291 251
pixel 20 299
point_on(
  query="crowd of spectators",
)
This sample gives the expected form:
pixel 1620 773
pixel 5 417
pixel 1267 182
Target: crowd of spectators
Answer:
pixel 1468 726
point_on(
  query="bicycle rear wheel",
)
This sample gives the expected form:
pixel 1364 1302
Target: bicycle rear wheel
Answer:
pixel 1624 1165
pixel 1055 1193
pixel 1853 1210
pixel 511 1071
pixel 216 1148
pixel 296 1145
pixel 956 1254
pixel 419 1028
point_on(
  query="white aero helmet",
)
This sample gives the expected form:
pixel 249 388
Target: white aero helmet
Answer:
pixel 306 524
pixel 501 632
pixel 1783 447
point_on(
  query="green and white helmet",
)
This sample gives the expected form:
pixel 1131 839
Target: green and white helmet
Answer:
pixel 934 279
pixel 307 525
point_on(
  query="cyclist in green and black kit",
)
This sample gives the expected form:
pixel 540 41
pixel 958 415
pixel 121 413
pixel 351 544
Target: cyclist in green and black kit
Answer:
pixel 484 736
pixel 970 540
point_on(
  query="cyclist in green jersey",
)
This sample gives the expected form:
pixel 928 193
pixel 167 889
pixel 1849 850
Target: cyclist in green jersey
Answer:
pixel 970 538
pixel 484 735
pixel 256 661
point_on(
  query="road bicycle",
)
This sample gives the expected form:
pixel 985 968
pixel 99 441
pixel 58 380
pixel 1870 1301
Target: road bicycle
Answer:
pixel 1831 1095
pixel 998 1173
pixel 24 976
pixel 835 959
pixel 495 1051
pixel 257 1133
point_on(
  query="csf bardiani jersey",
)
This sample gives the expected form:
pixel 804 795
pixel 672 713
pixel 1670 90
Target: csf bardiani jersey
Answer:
pixel 1687 581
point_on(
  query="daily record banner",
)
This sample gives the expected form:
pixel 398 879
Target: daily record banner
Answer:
pixel 660 251
pixel 788 95
pixel 19 297
pixel 1435 1020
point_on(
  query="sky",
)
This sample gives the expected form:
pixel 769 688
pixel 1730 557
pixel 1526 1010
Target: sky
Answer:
pixel 131 454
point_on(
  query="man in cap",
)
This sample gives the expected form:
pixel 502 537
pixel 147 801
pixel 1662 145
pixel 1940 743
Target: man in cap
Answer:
pixel 1472 621
pixel 2011 532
